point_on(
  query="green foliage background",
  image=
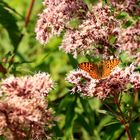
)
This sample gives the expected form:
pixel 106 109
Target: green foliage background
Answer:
pixel 76 118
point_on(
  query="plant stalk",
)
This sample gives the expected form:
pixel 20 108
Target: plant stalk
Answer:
pixel 29 13
pixel 122 119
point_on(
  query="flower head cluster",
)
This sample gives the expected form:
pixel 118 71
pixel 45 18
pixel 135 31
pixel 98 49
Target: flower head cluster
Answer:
pixel 55 18
pixel 93 34
pixel 129 39
pixel 104 88
pixel 99 33
pixel 97 28
pixel 23 110
pixel 130 6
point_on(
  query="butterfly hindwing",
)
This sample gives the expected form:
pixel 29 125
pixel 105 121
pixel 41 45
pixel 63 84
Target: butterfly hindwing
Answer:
pixel 108 65
pixel 90 68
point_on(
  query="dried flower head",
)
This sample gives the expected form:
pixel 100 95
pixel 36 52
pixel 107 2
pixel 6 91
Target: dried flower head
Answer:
pixel 23 109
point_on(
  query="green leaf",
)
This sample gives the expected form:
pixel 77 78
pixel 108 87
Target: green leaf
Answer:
pixel 64 104
pixel 88 112
pixel 73 61
pixel 122 15
pixel 8 21
pixel 2 138
pixel 105 119
pixel 127 24
pixel 81 119
pixel 113 132
pixel 4 4
pixel 70 115
pixel 54 42
pixel 125 59
pixel 74 23
pixel 90 3
pixel 57 131
pixel 135 130
pixel 112 40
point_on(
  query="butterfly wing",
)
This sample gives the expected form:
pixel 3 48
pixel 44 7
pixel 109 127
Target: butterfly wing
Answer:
pixel 91 68
pixel 108 65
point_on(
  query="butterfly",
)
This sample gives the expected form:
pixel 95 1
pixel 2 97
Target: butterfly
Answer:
pixel 101 70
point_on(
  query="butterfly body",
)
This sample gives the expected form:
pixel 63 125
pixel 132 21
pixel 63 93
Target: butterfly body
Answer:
pixel 101 70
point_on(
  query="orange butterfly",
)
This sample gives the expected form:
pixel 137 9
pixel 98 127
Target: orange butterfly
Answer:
pixel 101 70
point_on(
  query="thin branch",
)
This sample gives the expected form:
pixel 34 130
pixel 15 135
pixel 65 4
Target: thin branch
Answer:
pixel 120 99
pixel 122 120
pixel 113 112
pixel 27 18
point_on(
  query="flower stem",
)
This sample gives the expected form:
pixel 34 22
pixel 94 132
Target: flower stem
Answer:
pixel 29 13
pixel 122 119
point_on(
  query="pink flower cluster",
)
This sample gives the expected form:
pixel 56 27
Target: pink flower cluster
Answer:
pixel 55 18
pixel 129 41
pixel 92 36
pixel 94 33
pixel 130 6
pixel 104 88
pixel 99 34
pixel 24 113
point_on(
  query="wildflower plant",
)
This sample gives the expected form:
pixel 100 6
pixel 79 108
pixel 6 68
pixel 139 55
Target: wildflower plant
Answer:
pixel 90 48
pixel 105 30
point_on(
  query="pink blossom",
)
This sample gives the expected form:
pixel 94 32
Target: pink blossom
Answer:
pixel 130 6
pixel 95 30
pixel 55 18
pixel 97 27
pixel 135 80
pixel 22 106
pixel 92 36
pixel 103 88
pixel 52 2
pixel 128 39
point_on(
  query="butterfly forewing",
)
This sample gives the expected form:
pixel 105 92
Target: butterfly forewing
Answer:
pixel 108 65
pixel 91 68
pixel 99 71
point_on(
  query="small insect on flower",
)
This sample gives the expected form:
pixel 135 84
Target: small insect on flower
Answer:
pixel 101 70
